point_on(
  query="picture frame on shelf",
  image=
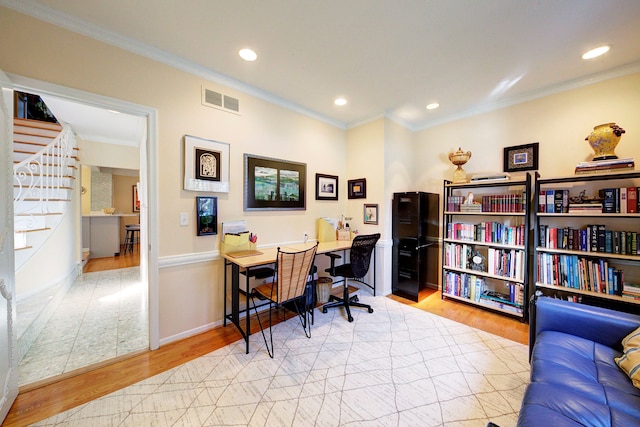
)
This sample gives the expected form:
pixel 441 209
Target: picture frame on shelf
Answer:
pixel 371 214
pixel 520 158
pixel 326 187
pixel 206 215
pixel 274 184
pixel 206 165
pixel 357 188
pixel 135 199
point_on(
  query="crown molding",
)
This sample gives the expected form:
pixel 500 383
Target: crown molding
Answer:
pixel 530 96
pixel 63 20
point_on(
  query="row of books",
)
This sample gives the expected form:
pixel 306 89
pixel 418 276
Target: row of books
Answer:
pixel 592 238
pixel 511 202
pixel 620 200
pixel 457 255
pixel 508 263
pixel 614 200
pixel 586 274
pixel 631 290
pixel 474 288
pixel 487 232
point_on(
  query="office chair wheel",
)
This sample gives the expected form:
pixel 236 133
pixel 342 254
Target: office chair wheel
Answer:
pixel 356 299
pixel 324 310
pixel 350 319
pixel 370 310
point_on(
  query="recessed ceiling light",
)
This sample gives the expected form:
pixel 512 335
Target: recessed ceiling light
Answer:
pixel 340 101
pixel 433 106
pixel 248 54
pixel 595 52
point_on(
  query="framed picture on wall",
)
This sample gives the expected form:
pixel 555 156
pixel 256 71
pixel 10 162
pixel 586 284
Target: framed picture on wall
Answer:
pixel 326 187
pixel 135 198
pixel 357 188
pixel 206 165
pixel 207 215
pixel 274 184
pixel 370 214
pixel 521 158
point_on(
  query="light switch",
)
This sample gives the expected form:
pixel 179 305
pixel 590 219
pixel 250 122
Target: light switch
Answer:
pixel 184 218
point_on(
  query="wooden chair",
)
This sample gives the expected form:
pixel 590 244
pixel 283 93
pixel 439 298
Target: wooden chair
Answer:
pixel 292 271
pixel 359 259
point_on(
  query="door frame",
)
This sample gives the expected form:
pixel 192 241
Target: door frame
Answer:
pixel 9 383
pixel 148 195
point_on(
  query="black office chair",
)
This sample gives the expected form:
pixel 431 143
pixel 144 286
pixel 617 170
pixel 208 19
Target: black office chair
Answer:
pixel 359 259
pixel 289 285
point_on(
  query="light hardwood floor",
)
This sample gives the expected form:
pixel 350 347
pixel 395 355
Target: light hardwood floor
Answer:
pixel 42 402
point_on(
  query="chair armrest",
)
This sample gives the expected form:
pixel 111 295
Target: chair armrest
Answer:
pixel 601 325
pixel 331 270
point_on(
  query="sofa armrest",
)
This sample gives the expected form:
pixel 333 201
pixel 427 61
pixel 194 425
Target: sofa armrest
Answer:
pixel 601 325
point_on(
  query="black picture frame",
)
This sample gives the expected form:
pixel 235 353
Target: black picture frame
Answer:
pixel 521 158
pixel 274 184
pixel 370 214
pixel 357 188
pixel 206 215
pixel 326 187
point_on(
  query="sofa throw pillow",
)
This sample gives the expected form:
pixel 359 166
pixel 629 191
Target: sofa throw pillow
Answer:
pixel 632 340
pixel 629 362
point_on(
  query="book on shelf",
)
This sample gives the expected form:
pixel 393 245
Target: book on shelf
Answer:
pixel 470 207
pixel 585 207
pixel 605 162
pixel 600 166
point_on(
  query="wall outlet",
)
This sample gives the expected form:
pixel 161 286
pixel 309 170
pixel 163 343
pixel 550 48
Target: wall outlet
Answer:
pixel 184 219
pixel 305 237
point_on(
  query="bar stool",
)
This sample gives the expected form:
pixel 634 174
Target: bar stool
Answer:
pixel 130 236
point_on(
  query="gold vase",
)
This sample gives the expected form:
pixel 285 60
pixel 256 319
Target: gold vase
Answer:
pixel 459 158
pixel 603 140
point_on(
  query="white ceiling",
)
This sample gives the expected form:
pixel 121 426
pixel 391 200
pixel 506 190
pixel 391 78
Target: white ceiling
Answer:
pixel 386 57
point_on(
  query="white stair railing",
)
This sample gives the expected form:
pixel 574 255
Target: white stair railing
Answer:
pixel 41 177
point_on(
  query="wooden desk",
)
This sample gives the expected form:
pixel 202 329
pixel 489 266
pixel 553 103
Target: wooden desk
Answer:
pixel 248 262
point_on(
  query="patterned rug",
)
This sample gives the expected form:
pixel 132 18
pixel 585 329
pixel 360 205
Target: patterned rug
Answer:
pixel 399 366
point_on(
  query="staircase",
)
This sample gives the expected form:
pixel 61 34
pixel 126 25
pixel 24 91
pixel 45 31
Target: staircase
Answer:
pixel 44 157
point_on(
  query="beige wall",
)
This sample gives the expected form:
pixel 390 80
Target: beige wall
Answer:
pixel 123 200
pixel 559 123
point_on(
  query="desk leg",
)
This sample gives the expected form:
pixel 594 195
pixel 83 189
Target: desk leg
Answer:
pixel 248 312
pixel 235 294
pixel 224 295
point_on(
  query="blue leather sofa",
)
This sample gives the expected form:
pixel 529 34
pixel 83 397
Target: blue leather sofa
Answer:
pixel 574 378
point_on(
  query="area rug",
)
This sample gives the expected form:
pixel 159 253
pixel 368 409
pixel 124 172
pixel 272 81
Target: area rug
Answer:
pixel 399 366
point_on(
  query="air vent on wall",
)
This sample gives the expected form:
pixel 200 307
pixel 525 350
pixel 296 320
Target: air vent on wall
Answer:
pixel 214 99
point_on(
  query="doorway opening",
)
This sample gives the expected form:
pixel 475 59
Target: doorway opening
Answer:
pixel 116 305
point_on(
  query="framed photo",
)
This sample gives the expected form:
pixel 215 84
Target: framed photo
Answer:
pixel 273 184
pixel 521 158
pixel 135 199
pixel 370 214
pixel 357 188
pixel 206 165
pixel 206 215
pixel 326 187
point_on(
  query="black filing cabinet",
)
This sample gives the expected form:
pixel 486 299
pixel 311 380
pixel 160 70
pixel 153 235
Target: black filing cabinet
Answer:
pixel 415 230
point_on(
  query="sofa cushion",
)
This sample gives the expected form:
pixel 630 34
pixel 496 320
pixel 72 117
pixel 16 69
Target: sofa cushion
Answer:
pixel 579 380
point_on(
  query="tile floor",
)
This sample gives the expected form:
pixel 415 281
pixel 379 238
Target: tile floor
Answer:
pixel 398 366
pixel 103 315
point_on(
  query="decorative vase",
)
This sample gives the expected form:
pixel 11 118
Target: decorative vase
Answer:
pixel 459 158
pixel 603 140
